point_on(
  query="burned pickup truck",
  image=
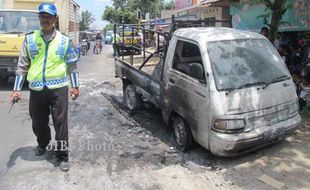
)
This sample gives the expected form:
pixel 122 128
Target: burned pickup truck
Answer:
pixel 226 89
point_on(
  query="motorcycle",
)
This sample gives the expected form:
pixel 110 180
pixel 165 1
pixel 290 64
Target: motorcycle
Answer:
pixel 84 47
pixel 98 47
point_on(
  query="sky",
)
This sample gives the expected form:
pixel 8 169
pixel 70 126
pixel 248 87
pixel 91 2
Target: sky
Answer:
pixel 96 7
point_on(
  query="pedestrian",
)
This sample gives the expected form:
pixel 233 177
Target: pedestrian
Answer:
pixel 48 59
pixel 159 39
pixel 265 31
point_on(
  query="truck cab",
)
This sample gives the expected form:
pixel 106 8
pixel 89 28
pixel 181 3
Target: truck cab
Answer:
pixel 14 24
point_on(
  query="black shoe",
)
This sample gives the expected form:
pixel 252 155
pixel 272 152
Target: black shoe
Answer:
pixel 39 151
pixel 64 165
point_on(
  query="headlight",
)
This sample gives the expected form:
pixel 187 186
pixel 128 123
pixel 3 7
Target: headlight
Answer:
pixel 229 125
pixel 293 108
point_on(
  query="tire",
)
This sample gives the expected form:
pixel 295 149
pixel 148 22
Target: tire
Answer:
pixel 84 50
pixel 182 133
pixel 132 99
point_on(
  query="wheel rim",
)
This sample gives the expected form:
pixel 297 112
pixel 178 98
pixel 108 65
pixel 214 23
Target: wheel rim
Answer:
pixel 130 98
pixel 179 132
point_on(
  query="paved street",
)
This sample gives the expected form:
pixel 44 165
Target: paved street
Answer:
pixel 112 148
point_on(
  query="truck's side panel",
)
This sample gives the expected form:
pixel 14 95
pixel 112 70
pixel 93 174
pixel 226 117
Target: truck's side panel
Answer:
pixel 137 77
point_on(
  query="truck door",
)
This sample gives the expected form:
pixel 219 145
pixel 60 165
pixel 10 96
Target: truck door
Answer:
pixel 186 89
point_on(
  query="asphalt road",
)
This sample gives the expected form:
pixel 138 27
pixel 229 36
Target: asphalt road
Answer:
pixel 112 148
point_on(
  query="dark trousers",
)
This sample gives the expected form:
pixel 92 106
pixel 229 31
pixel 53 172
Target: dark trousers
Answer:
pixel 116 49
pixel 41 105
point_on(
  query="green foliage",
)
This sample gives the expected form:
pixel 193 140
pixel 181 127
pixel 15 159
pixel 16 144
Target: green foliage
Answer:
pixel 87 20
pixel 169 5
pixel 274 11
pixel 118 15
pixel 109 26
pixel 124 11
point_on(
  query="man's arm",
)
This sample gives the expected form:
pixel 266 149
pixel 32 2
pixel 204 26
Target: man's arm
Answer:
pixel 22 67
pixel 21 72
pixel 71 60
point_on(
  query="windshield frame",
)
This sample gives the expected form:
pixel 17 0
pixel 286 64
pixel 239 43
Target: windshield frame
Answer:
pixel 278 64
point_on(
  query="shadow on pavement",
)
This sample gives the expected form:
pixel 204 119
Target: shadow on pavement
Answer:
pixel 28 154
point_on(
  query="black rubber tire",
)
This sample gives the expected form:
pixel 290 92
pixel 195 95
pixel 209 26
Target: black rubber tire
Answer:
pixel 132 99
pixel 182 133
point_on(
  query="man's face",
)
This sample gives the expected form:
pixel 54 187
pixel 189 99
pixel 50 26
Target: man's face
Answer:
pixel 47 21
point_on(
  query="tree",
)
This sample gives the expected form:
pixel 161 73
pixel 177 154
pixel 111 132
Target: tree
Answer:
pixel 87 20
pixel 124 11
pixel 274 9
pixel 169 5
pixel 119 15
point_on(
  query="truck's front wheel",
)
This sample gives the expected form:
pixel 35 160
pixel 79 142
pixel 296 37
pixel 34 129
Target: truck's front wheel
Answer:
pixel 132 99
pixel 182 132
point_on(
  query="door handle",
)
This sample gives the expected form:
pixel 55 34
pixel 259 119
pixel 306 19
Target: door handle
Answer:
pixel 172 80
pixel 200 94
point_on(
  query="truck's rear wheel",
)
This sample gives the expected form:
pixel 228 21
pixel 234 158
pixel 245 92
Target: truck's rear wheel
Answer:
pixel 132 99
pixel 182 133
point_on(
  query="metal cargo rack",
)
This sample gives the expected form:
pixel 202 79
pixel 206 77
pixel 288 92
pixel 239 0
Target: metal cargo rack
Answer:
pixel 160 51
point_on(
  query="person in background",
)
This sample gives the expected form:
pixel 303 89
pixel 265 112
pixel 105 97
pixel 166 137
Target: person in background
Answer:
pixel 159 39
pixel 98 37
pixel 265 31
pixel 84 37
pixel 48 59
pixel 116 40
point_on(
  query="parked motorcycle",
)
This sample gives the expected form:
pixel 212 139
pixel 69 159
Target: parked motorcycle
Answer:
pixel 98 47
pixel 84 47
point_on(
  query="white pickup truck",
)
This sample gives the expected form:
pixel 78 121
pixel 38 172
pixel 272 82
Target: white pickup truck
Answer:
pixel 226 89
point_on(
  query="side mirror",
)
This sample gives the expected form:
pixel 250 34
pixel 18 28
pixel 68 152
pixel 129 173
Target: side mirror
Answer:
pixel 196 71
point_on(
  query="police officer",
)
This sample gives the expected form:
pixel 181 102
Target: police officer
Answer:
pixel 46 57
pixel 116 39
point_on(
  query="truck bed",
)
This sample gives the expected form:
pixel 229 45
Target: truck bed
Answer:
pixel 146 84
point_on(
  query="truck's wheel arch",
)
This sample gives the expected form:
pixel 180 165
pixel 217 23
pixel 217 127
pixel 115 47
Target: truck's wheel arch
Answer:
pixel 126 82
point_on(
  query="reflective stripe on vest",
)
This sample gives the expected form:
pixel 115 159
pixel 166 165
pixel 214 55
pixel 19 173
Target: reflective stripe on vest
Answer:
pixel 48 67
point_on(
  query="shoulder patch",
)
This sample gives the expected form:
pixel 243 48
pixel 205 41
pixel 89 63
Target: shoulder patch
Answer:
pixel 64 34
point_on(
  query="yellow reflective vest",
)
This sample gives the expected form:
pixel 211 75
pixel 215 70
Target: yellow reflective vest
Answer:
pixel 47 61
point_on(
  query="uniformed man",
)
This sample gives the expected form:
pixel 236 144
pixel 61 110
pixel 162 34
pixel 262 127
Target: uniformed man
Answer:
pixel 47 58
pixel 116 39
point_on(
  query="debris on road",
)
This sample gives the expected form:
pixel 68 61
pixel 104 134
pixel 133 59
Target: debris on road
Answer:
pixel 271 181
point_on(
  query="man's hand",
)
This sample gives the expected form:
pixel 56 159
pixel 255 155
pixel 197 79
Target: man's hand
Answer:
pixel 74 93
pixel 15 96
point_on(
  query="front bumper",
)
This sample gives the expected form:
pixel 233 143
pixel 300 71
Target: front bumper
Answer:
pixel 7 70
pixel 222 144
pixel 8 65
